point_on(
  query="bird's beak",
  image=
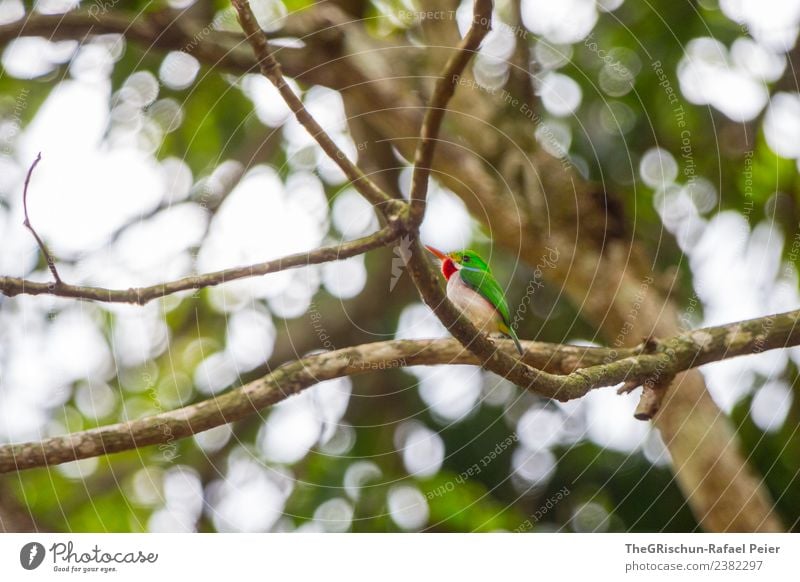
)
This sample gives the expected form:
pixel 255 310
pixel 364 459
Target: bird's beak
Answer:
pixel 437 253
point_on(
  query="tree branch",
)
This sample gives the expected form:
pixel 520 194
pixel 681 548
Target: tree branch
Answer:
pixel 271 69
pixel 151 30
pixel 424 279
pixel 590 365
pixel 427 281
pixel 443 92
pixel 12 286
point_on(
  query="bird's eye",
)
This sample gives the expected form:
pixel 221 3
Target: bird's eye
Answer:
pixel 466 259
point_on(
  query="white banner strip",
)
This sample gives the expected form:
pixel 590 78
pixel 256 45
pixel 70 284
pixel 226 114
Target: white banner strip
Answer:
pixel 390 557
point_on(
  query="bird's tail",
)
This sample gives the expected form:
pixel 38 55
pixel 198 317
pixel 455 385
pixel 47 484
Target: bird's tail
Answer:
pixel 509 331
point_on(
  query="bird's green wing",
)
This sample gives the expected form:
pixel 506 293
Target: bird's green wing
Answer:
pixel 484 283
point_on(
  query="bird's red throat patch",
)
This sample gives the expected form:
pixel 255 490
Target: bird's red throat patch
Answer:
pixel 448 268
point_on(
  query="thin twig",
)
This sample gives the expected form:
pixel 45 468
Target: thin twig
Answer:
pixel 11 286
pixel 579 365
pixel 444 90
pixel 271 69
pixel 51 264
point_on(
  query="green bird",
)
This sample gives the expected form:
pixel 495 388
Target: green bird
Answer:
pixel 475 292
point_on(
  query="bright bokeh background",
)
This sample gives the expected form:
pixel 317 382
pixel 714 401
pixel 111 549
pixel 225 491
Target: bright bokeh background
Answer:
pixel 131 191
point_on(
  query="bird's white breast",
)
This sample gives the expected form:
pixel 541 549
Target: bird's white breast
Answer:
pixel 472 304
